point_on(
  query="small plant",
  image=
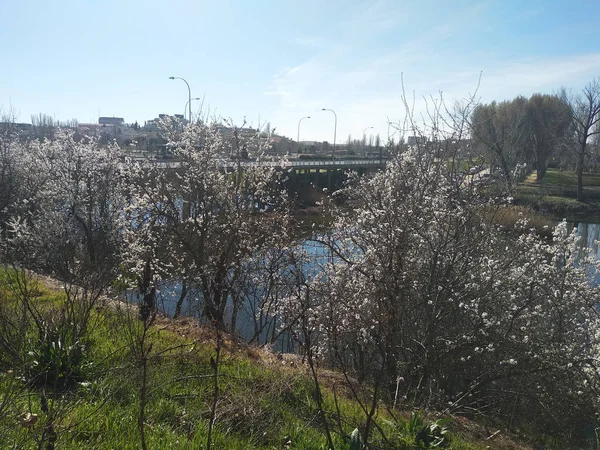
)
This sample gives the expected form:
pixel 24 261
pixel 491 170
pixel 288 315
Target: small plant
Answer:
pixel 421 435
pixel 355 442
pixel 57 358
pixel 433 435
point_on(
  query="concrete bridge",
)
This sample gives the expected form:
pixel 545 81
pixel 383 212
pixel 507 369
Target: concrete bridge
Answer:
pixel 305 177
pixel 310 164
pixel 326 164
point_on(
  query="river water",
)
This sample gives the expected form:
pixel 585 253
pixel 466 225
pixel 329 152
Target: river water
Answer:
pixel 590 238
pixel 169 291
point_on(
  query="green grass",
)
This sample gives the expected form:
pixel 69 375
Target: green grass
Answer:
pixel 263 404
pixel 556 195
pixel 562 183
pixel 555 177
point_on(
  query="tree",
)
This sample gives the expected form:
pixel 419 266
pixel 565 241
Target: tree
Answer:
pixel 44 126
pixel 426 299
pixel 62 222
pixel 500 129
pixel 65 222
pixel 197 222
pixel 585 110
pixel 10 184
pixel 349 145
pixel 548 119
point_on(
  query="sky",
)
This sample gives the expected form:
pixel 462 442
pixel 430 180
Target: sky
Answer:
pixel 277 61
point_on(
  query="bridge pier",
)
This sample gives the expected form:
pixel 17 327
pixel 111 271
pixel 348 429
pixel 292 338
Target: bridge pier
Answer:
pixel 292 180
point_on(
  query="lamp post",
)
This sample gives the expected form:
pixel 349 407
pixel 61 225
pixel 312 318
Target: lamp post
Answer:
pixel 189 93
pixel 298 140
pixel 186 106
pixel 394 133
pixel 365 138
pixel 334 127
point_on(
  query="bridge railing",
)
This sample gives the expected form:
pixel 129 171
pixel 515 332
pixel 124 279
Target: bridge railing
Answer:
pixel 337 162
pixel 289 164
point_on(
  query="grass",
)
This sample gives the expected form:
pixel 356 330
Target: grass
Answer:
pixel 264 401
pixel 564 178
pixel 563 183
pixel 463 165
pixel 556 195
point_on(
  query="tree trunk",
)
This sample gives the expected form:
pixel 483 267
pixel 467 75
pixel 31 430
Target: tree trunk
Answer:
pixel 180 299
pixel 580 160
pixel 540 170
pixel 506 170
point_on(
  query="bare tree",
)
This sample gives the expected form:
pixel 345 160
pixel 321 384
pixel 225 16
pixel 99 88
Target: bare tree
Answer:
pixel 585 110
pixel 500 131
pixel 548 119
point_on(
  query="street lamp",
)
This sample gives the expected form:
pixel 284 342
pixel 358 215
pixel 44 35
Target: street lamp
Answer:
pixel 365 138
pixel 186 106
pixel 298 140
pixel 189 93
pixel 394 133
pixel 334 127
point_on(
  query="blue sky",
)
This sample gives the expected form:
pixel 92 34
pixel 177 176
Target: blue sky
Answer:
pixel 282 60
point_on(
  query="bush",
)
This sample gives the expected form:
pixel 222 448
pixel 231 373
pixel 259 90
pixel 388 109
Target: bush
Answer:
pixel 432 302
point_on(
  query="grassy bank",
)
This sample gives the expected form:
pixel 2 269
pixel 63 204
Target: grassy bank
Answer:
pixel 264 400
pixel 556 195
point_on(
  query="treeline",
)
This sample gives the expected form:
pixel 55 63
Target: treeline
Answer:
pixel 560 129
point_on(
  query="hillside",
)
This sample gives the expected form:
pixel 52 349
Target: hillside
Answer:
pixel 88 394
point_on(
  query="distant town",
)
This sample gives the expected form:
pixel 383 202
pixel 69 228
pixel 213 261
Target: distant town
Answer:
pixel 146 139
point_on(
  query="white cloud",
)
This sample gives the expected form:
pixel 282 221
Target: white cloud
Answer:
pixel 533 75
pixel 367 97
pixel 362 82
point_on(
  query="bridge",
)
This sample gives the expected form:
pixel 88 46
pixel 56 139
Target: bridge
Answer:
pixel 323 164
pixel 283 164
pixel 305 177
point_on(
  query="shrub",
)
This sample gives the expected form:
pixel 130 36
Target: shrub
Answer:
pixel 419 434
pixel 57 358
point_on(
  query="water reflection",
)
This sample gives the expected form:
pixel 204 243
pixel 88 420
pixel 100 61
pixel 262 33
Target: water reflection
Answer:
pixel 255 315
pixel 588 244
pixel 317 255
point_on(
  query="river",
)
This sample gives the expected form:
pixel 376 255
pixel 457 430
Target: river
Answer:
pixel 590 238
pixel 169 291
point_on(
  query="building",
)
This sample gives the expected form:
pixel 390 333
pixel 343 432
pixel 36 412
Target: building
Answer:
pixel 416 140
pixel 21 128
pixel 111 121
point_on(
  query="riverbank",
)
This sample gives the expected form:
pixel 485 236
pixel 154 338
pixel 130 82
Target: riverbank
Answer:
pixel 556 196
pixel 313 219
pixel 259 399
